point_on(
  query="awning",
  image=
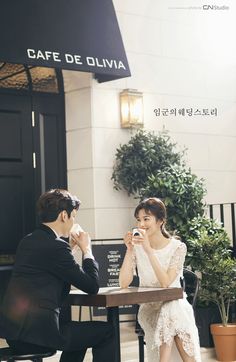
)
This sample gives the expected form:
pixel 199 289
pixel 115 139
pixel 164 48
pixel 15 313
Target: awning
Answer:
pixel 70 34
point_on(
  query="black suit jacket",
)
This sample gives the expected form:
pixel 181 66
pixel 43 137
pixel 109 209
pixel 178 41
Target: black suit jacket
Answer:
pixel 43 273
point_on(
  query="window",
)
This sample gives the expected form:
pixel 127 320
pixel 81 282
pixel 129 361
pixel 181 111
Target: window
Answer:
pixel 28 78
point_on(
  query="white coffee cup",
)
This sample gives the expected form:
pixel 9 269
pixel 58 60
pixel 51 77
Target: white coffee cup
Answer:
pixel 136 232
pixel 76 229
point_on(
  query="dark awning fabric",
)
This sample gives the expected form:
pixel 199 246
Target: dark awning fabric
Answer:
pixel 70 34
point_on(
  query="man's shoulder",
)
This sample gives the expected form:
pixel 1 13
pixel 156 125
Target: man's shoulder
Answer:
pixel 43 236
pixel 38 233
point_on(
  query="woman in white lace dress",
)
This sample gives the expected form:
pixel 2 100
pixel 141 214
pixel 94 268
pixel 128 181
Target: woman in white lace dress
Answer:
pixel 159 259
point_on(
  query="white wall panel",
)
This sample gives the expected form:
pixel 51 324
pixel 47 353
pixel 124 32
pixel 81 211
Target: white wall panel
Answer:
pixel 105 142
pixel 106 108
pixel 166 76
pixel 222 154
pixel 141 34
pixel 104 194
pixel 80 183
pixel 220 81
pixel 181 40
pixel 220 186
pixel 197 154
pixel 113 223
pixel 86 218
pixel 79 149
pixel 78 109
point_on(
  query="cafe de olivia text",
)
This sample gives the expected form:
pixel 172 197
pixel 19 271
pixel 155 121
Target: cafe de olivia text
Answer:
pixel 47 55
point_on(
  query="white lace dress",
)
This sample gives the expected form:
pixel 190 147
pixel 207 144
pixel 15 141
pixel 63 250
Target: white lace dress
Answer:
pixel 162 321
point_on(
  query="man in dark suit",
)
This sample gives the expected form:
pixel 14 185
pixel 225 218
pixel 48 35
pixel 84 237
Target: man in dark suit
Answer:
pixel 43 273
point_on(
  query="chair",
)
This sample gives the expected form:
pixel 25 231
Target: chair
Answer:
pixel 190 284
pixel 7 354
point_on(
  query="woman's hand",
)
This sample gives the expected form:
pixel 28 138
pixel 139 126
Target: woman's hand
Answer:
pixel 142 240
pixel 126 270
pixel 128 241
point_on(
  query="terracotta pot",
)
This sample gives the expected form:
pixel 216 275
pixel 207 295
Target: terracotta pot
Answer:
pixel 225 341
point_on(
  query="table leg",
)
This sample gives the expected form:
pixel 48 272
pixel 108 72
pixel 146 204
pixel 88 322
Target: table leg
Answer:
pixel 113 317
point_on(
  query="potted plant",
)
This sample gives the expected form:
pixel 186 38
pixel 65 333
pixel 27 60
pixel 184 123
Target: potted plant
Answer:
pixel 209 252
pixel 219 287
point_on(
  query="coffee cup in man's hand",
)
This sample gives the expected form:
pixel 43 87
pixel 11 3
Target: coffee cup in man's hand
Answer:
pixel 76 229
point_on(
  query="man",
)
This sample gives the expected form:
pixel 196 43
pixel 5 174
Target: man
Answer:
pixel 43 273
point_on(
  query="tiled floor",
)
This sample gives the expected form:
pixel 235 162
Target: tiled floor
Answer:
pixel 129 348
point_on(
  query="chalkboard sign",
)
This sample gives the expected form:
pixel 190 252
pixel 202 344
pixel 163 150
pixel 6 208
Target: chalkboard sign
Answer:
pixel 110 258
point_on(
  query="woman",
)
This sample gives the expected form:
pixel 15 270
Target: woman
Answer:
pixel 159 259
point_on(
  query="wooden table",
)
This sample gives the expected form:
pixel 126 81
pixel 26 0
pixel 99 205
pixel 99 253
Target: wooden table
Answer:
pixel 112 298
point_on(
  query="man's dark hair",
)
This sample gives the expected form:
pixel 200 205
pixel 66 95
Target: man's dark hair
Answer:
pixel 52 202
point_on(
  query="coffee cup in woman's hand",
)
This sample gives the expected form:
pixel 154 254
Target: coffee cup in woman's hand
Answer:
pixel 136 232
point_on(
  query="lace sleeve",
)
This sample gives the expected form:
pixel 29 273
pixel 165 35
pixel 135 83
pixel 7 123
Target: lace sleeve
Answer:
pixel 177 260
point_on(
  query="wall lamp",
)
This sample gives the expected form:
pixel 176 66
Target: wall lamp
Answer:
pixel 131 108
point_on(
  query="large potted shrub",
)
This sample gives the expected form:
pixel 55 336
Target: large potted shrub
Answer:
pixel 209 253
pixel 219 287
pixel 207 241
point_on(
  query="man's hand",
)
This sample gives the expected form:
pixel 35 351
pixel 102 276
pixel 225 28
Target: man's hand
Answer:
pixel 74 233
pixel 80 238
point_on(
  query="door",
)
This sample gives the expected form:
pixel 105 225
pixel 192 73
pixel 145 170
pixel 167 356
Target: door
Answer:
pixel 49 142
pixel 32 160
pixel 16 170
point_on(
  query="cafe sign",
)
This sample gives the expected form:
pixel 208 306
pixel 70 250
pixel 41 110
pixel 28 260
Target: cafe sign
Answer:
pixel 74 58
pixel 67 34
